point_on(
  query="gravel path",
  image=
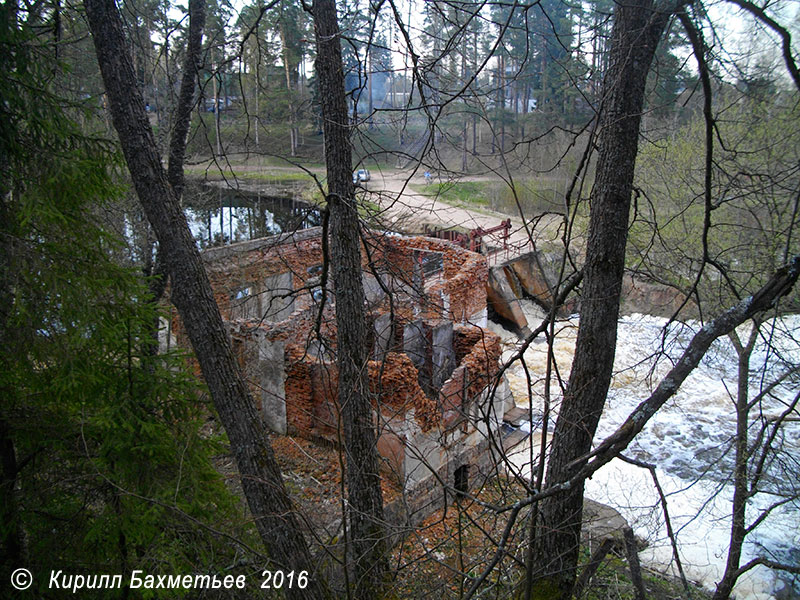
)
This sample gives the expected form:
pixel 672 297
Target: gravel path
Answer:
pixel 405 208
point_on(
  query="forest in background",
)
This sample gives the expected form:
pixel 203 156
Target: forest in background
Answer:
pixel 654 115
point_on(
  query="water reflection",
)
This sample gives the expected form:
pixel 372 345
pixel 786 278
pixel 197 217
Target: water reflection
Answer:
pixel 218 215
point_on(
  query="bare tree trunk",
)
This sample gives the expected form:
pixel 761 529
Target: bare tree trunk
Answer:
pixel 370 99
pixel 257 92
pixel 186 96
pixel 637 29
pixel 289 91
pixel 474 114
pixel 365 501
pixel 464 78
pixel 632 552
pixel 191 293
pixel 502 83
pixel 154 265
pixel 217 131
pixel 11 535
pixel 11 544
pixel 740 474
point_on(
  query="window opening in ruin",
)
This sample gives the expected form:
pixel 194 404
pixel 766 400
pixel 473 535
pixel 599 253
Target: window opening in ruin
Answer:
pixel 461 481
pixel 244 303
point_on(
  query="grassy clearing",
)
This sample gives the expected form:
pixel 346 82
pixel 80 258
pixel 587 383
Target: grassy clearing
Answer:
pixel 533 196
pixel 461 193
pixel 212 173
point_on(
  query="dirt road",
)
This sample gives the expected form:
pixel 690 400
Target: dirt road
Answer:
pixel 406 209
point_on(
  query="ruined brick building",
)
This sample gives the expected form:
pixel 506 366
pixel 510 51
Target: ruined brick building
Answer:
pixel 437 402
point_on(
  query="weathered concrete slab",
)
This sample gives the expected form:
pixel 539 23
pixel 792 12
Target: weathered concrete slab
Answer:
pixel 443 355
pixel 430 348
pixel 513 281
pixel 417 345
pixel 516 416
pixel 503 400
pixel 423 457
pixel 373 291
pixel 503 300
pixel 534 282
pixel 277 299
pixel 266 370
pixel 383 332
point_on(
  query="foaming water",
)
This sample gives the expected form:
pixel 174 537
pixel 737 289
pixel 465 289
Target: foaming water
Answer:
pixel 691 441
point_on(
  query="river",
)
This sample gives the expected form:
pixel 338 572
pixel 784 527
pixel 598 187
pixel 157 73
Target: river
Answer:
pixel 219 215
pixel 690 441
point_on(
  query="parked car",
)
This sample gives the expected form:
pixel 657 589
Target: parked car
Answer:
pixel 360 176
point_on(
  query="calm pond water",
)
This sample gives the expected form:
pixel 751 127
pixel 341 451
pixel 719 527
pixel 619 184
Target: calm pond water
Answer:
pixel 218 215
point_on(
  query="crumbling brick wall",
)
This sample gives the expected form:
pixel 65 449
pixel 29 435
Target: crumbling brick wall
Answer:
pixel 481 364
pixel 465 338
pixel 462 280
pixel 393 383
pixel 247 265
pixel 299 393
pixel 312 387
pixel 433 280
pixel 478 353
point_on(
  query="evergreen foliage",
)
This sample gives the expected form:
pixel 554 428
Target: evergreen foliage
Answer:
pixel 105 465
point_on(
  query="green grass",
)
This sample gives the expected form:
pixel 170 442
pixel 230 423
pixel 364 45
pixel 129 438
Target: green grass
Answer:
pixel 534 195
pixel 462 193
pixel 212 173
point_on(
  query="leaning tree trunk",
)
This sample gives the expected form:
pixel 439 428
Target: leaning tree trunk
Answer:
pixel 365 502
pixel 186 96
pixel 191 293
pixel 154 267
pixel 637 30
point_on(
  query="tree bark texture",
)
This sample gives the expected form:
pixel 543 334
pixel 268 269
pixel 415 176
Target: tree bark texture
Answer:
pixel 365 501
pixel 289 92
pixel 740 474
pixel 269 503
pixel 637 30
pixel 186 96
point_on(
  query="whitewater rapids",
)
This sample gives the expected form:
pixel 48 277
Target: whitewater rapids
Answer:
pixel 690 441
